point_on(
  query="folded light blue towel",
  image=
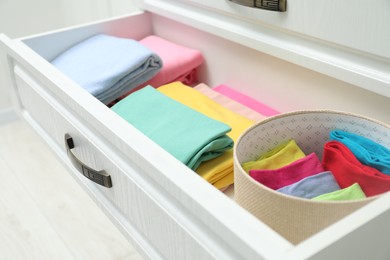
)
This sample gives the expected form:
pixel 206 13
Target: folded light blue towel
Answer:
pixel 312 186
pixel 107 66
pixel 365 150
pixel 187 134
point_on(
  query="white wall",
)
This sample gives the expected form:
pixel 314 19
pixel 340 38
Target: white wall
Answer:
pixel 81 11
pixel 25 17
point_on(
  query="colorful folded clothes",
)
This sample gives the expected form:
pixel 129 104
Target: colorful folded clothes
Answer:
pixel 180 62
pixel 353 192
pixel 185 133
pixel 347 170
pixel 230 103
pixel 218 171
pixel 278 157
pixel 366 151
pixel 312 186
pixel 289 174
pixel 107 66
pixel 246 100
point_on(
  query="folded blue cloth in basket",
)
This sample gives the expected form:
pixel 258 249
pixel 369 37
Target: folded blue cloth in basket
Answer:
pixel 312 186
pixel 107 66
pixel 188 135
pixel 368 152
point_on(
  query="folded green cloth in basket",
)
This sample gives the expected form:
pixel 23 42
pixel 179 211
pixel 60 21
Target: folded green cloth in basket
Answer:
pixel 187 134
pixel 108 66
pixel 353 192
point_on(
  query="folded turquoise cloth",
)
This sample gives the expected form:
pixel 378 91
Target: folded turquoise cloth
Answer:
pixel 185 133
pixel 365 150
pixel 107 66
pixel 312 186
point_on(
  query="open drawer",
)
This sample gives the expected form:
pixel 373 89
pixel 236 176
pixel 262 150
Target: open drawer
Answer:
pixel 166 210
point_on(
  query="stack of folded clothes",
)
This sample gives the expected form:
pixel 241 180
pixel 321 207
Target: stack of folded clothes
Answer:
pixel 188 135
pixel 353 158
pixel 352 167
pixel 181 63
pixel 107 66
pixel 218 171
pixel 190 125
pixel 125 73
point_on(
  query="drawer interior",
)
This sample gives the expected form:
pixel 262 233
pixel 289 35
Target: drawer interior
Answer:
pixel 254 73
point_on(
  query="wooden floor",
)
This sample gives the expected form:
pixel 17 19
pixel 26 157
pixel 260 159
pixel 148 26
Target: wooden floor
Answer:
pixel 44 214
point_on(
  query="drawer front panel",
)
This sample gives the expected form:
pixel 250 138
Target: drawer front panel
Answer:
pixel 356 24
pixel 169 240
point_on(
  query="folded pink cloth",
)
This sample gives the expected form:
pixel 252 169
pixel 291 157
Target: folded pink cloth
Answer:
pixel 289 174
pixel 245 100
pixel 179 62
pixel 230 103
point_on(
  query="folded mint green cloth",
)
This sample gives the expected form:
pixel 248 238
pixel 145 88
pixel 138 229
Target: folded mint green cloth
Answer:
pixel 185 133
pixel 353 192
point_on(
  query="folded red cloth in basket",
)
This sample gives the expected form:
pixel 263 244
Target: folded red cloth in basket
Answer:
pixel 347 170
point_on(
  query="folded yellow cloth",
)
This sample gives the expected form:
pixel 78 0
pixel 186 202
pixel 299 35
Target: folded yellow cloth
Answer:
pixel 218 171
pixel 278 157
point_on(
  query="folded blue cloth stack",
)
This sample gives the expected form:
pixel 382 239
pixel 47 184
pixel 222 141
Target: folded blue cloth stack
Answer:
pixel 366 151
pixel 107 66
pixel 187 134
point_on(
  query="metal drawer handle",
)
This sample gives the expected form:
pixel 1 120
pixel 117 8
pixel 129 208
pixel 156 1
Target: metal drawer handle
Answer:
pixel 273 5
pixel 100 177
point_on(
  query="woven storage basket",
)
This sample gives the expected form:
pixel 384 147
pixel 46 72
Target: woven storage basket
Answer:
pixel 294 218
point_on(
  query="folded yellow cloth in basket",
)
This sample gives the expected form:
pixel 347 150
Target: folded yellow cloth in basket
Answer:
pixel 218 171
pixel 280 156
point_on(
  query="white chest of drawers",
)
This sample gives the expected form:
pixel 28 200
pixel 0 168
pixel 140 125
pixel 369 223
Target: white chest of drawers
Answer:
pixel 159 204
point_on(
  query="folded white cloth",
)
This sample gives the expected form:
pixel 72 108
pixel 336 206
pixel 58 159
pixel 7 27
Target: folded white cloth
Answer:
pixel 107 66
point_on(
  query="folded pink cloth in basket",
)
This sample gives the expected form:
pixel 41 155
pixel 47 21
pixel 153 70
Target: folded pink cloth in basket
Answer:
pixel 179 62
pixel 289 174
pixel 245 100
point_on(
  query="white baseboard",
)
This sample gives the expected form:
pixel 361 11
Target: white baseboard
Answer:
pixel 8 115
